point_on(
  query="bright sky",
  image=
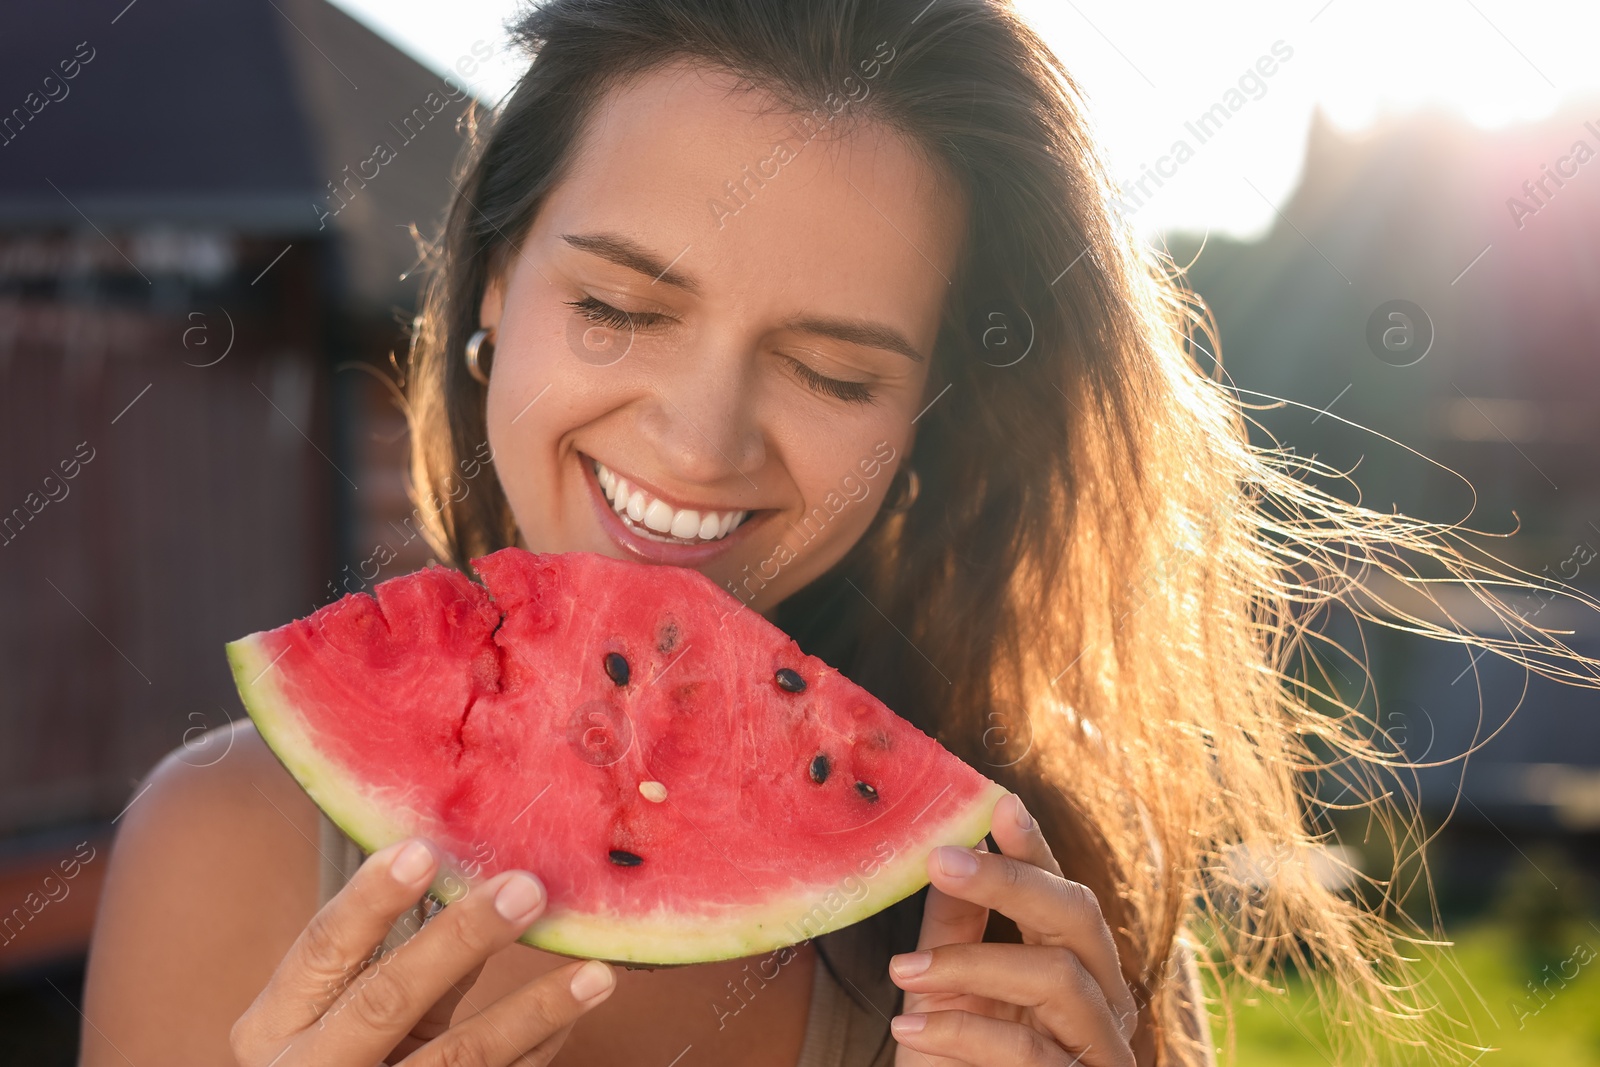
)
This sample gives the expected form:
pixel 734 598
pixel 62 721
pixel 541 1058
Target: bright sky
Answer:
pixel 1148 68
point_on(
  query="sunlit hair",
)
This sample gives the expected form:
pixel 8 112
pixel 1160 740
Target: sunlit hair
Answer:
pixel 1104 597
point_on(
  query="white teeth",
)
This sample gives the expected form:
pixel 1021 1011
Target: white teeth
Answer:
pixel 658 516
pixel 661 517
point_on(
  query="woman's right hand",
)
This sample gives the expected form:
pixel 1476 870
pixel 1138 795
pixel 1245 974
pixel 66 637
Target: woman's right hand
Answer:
pixel 399 1007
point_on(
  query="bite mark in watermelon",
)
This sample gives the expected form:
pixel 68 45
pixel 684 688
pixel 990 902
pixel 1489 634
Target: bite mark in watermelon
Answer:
pixel 687 783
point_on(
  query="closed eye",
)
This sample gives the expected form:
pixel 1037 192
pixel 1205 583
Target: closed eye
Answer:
pixel 602 314
pixel 852 392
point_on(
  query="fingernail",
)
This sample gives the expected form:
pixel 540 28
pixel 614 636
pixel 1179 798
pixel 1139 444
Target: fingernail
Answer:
pixel 911 964
pixel 957 862
pixel 590 980
pixel 1024 820
pixel 411 863
pixel 518 897
pixel 908 1024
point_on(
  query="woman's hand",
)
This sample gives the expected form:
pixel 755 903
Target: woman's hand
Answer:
pixel 400 1006
pixel 1057 999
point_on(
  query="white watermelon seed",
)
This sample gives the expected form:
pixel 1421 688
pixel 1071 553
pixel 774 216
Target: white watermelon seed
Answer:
pixel 654 792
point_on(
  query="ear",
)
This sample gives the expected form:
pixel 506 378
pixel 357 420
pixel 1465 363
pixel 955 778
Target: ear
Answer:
pixel 494 301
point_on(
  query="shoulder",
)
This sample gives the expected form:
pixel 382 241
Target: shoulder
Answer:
pixel 212 875
pixel 214 809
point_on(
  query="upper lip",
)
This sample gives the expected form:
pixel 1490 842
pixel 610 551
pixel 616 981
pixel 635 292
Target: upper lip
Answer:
pixel 675 502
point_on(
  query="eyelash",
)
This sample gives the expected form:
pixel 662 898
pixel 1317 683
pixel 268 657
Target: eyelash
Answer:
pixel 603 314
pixel 851 392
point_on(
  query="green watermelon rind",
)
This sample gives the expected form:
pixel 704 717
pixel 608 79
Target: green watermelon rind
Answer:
pixel 278 725
pixel 756 930
pixel 663 939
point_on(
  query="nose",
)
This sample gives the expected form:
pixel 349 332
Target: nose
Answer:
pixel 703 426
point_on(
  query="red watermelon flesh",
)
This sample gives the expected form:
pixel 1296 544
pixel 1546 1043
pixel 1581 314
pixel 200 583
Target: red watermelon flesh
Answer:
pixel 686 782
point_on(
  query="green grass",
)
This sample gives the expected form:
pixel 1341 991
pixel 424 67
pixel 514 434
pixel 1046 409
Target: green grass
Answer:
pixel 1490 993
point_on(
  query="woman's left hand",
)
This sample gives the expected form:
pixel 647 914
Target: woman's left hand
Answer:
pixel 1057 999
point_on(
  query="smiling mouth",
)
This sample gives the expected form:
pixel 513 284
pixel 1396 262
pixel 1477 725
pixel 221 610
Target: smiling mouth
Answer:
pixel 656 520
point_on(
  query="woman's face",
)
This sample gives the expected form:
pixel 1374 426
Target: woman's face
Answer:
pixel 712 344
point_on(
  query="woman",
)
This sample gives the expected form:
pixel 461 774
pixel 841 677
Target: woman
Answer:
pixel 709 263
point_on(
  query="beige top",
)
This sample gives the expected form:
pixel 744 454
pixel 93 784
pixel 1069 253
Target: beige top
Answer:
pixel 839 1031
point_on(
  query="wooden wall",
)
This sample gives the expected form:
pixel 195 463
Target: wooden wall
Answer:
pixel 199 511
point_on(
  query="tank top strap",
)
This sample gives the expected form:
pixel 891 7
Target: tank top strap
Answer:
pixel 848 1023
pixel 337 859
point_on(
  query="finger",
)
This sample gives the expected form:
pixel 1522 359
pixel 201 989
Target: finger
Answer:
pixel 1048 910
pixel 981 1041
pixel 538 1056
pixel 525 1027
pixel 948 919
pixel 436 1020
pixel 1049 980
pixel 390 997
pixel 337 943
pixel 1019 836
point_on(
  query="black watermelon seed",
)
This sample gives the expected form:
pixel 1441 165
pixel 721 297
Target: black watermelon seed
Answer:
pixel 819 768
pixel 866 791
pixel 625 859
pixel 617 668
pixel 789 681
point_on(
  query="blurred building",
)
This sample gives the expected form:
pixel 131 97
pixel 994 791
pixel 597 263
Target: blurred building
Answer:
pixel 203 225
pixel 1492 373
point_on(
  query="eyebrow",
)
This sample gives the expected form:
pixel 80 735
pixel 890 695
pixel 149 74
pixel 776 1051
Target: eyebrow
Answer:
pixel 624 252
pixel 851 331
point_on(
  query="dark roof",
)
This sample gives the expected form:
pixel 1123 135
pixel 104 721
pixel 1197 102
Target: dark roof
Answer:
pixel 233 116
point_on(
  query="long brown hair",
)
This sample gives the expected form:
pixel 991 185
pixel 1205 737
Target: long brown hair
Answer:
pixel 1101 592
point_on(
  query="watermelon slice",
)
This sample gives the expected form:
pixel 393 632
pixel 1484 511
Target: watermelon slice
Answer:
pixel 687 783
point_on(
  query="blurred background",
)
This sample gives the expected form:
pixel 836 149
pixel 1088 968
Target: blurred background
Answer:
pixel 1393 213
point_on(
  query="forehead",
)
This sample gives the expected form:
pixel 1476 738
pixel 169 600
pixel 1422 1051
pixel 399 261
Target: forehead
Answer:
pixel 759 204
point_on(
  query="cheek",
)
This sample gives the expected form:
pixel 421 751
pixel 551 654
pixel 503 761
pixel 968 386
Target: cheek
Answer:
pixel 552 360
pixel 533 398
pixel 830 449
pixel 514 427
pixel 525 363
pixel 826 462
